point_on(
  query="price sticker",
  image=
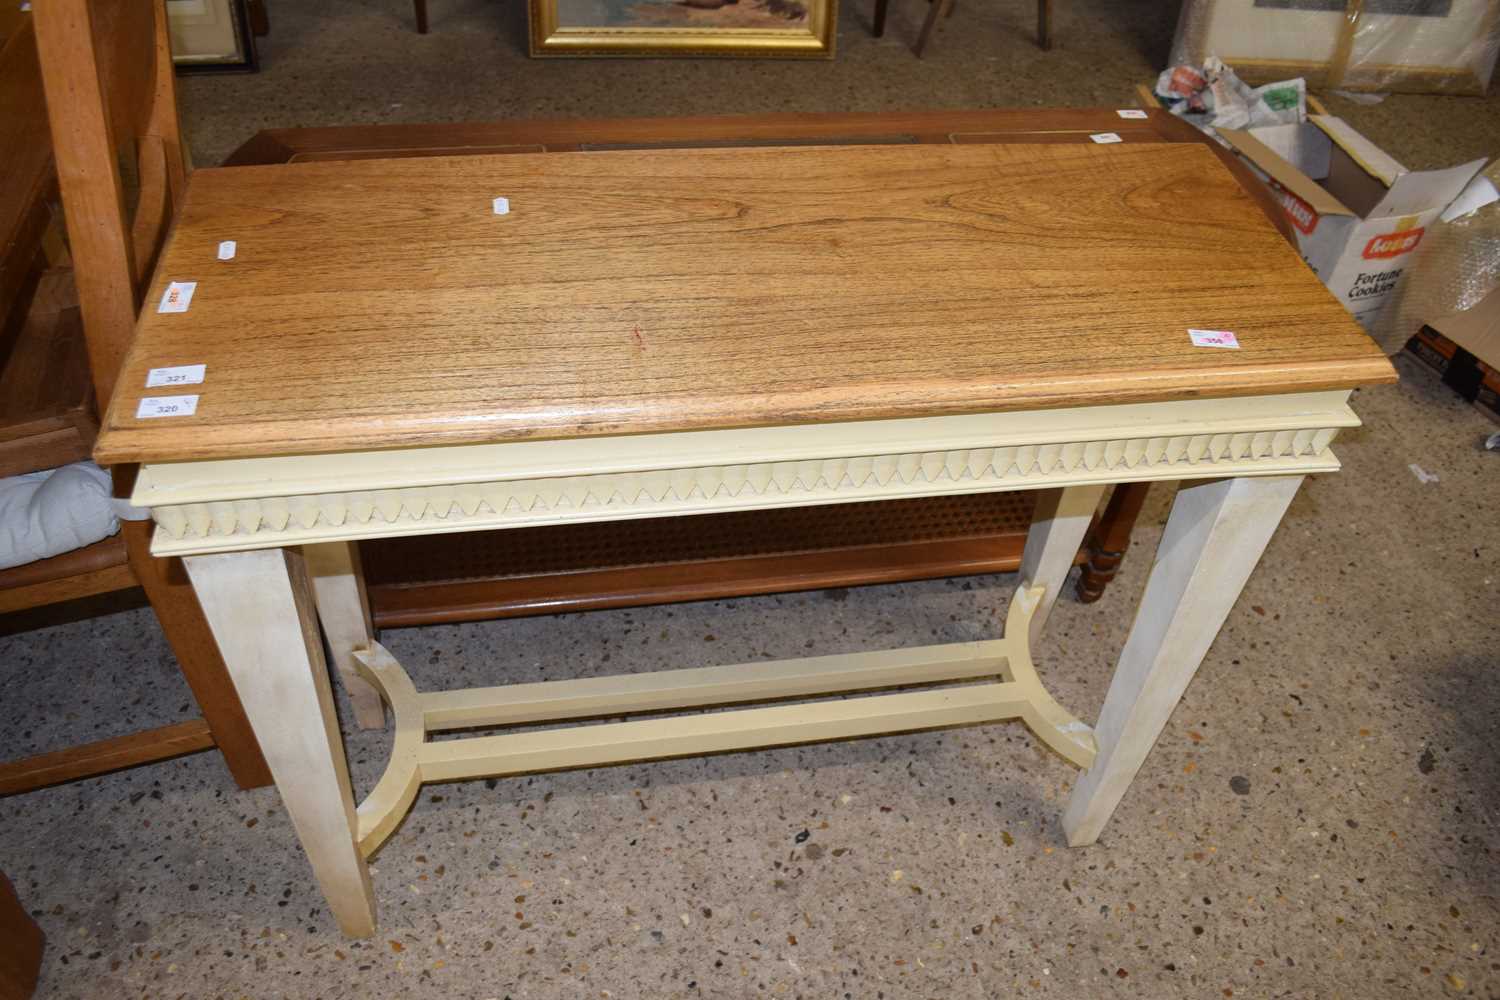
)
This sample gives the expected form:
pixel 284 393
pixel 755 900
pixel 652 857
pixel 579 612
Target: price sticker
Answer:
pixel 1105 138
pixel 166 406
pixel 227 249
pixel 1132 113
pixel 1214 338
pixel 177 297
pixel 179 375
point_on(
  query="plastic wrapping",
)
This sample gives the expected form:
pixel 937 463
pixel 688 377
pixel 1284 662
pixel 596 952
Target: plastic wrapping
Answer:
pixel 1459 265
pixel 1411 46
pixel 1213 96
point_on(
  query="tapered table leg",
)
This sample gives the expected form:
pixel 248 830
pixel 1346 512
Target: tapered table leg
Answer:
pixel 1059 523
pixel 338 585
pixel 260 608
pixel 1214 536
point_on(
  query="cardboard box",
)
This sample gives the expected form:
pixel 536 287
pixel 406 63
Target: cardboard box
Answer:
pixel 1476 329
pixel 1465 350
pixel 1359 215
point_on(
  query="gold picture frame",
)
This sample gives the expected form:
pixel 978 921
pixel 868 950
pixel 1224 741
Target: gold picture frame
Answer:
pixel 785 29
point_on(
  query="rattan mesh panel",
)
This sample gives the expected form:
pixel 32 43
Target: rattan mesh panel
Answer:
pixel 569 548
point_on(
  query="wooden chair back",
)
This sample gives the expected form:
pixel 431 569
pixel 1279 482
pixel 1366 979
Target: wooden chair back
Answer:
pixel 28 184
pixel 122 168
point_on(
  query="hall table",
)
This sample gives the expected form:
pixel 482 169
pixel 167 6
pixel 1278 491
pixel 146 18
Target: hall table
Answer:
pixel 408 347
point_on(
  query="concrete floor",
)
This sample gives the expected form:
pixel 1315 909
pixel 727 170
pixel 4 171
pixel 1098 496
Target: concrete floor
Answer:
pixel 1318 820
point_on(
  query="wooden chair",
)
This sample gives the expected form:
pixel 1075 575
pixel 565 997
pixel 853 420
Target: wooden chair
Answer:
pixel 935 8
pixel 21 944
pixel 60 350
pixel 44 404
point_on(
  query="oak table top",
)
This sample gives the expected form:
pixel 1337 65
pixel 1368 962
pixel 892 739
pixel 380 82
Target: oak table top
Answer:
pixel 386 303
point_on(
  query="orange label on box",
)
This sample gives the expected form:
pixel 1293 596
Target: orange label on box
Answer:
pixel 1393 244
pixel 1302 215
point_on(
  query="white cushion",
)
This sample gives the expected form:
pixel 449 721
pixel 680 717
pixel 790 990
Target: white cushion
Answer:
pixel 44 514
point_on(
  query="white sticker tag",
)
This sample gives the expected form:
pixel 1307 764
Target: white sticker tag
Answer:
pixel 166 406
pixel 178 375
pixel 1104 138
pixel 177 297
pixel 1214 338
pixel 1132 113
pixel 502 206
pixel 227 249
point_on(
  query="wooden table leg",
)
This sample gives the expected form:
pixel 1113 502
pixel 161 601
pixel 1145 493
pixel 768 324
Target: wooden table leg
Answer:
pixel 1111 539
pixel 339 589
pixel 260 607
pixel 1214 536
pixel 21 943
pixel 1059 523
pixel 878 28
pixel 934 11
pixel 259 18
pixel 420 7
pixel 1044 24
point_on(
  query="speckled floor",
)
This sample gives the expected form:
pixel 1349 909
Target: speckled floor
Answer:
pixel 1318 820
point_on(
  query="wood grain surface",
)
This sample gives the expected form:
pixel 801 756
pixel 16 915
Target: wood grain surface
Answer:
pixel 382 303
pixel 842 128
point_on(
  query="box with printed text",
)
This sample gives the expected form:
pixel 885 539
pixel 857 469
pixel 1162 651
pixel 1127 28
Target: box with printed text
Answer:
pixel 1359 215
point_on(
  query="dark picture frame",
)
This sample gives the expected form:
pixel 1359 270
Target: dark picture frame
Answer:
pixel 200 47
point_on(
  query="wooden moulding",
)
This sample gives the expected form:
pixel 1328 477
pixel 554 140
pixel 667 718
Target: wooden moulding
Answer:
pixel 221 506
pixel 1005 686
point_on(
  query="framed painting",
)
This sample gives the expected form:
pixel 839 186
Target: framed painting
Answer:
pixel 211 35
pixel 797 29
pixel 1423 46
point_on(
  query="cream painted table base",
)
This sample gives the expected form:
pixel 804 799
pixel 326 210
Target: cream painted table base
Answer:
pixel 268 545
